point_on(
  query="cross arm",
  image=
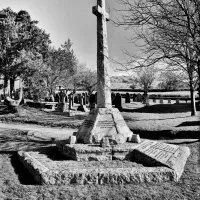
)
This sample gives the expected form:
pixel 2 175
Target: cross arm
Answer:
pixel 98 11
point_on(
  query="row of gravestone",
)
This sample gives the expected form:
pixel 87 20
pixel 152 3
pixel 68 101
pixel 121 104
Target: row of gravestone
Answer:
pixel 84 99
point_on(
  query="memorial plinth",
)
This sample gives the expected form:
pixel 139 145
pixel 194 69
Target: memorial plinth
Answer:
pixel 104 122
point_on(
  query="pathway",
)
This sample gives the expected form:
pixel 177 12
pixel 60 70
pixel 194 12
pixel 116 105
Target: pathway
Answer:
pixel 36 132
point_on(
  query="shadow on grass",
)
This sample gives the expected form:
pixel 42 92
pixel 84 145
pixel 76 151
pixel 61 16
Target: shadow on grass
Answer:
pixel 191 123
pixel 25 178
pixel 75 117
pixel 161 108
pixel 168 134
pixel 52 153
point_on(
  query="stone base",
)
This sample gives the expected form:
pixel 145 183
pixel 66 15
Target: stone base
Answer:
pixel 47 171
pixel 62 107
pixel 84 152
pixel 103 122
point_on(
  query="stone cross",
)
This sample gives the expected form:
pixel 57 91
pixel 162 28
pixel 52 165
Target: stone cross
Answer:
pixel 103 79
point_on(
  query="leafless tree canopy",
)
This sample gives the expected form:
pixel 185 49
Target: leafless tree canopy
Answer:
pixel 170 31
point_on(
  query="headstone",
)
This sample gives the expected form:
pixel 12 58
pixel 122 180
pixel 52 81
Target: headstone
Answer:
pixel 62 96
pixel 81 107
pixel 76 99
pixel 87 98
pixel 139 98
pixel 161 101
pixel 66 98
pixel 96 97
pixel 134 97
pixel 72 98
pixel 127 98
pixel 177 101
pixel 84 98
pixel 57 97
pixel 92 101
pixel 113 96
pixel 70 101
pixel 51 99
pixel 118 101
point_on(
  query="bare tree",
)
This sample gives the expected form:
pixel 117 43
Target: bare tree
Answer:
pixel 145 78
pixel 169 30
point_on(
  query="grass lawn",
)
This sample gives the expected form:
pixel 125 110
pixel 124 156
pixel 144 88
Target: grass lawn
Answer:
pixel 16 183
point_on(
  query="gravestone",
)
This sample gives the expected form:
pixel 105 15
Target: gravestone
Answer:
pixel 92 101
pixel 72 98
pixel 87 98
pixel 51 98
pixel 96 97
pixel 103 121
pixel 57 97
pixel 113 96
pixel 134 97
pixel 81 107
pixel 76 99
pixel 127 98
pixel 70 101
pixel 66 98
pixel 118 101
pixel 62 96
pixel 84 98
pixel 139 98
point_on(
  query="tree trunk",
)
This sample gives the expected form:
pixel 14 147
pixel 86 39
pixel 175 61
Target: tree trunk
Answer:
pixel 192 96
pixel 14 104
pixel 5 85
pixel 12 85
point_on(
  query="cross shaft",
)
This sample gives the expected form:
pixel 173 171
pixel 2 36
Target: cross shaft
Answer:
pixel 103 79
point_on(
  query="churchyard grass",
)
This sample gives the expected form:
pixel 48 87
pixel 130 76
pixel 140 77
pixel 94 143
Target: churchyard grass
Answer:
pixel 16 183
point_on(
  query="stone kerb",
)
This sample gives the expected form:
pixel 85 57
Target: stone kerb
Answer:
pixel 162 163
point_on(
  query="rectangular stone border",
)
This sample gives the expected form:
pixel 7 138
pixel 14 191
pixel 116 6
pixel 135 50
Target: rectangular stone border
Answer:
pixel 45 176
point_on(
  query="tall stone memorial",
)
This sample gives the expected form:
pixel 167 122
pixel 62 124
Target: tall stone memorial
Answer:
pixel 103 121
pixel 104 134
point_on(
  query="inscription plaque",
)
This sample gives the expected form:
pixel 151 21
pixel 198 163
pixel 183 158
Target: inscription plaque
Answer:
pixel 166 154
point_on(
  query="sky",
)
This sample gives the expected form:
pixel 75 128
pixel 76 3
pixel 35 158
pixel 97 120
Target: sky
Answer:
pixel 73 19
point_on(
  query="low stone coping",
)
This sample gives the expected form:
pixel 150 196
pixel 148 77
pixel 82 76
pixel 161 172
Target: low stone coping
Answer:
pixel 51 172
